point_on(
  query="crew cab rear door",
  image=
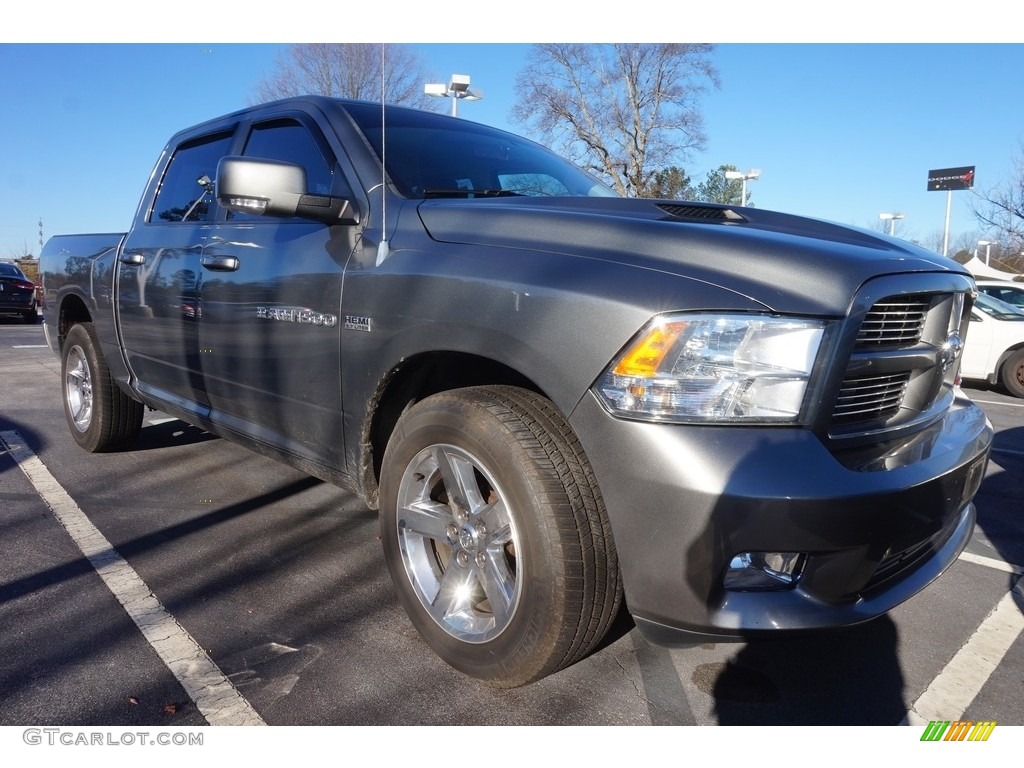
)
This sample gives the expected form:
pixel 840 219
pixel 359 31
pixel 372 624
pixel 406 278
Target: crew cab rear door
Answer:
pixel 159 272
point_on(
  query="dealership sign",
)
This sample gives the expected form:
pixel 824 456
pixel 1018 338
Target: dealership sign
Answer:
pixel 949 179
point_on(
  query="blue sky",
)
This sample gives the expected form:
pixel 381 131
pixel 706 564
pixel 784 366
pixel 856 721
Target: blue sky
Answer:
pixel 840 131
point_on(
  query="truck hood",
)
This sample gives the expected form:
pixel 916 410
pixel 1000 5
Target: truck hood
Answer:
pixel 787 263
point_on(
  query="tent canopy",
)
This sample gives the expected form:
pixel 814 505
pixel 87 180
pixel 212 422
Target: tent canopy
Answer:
pixel 983 271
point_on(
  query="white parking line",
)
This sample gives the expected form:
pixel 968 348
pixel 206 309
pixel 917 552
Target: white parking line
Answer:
pixel 214 695
pixel 991 562
pixel 999 402
pixel 1008 450
pixel 956 686
pixel 28 346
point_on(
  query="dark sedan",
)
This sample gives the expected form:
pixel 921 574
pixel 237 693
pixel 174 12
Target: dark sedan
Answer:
pixel 17 293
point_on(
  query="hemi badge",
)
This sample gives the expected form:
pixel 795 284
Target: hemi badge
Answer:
pixel 357 323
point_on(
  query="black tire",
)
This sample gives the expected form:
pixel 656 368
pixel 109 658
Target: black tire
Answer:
pixel 101 417
pixel 1011 375
pixel 525 536
pixel 30 316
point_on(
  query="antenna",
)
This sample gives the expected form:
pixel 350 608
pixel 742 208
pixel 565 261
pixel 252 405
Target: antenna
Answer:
pixel 383 248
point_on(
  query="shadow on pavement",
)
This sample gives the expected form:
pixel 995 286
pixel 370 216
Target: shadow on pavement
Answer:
pixel 167 434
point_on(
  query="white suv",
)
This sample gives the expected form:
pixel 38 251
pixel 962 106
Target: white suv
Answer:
pixel 994 350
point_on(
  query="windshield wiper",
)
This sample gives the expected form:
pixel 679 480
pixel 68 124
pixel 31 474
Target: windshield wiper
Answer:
pixel 437 192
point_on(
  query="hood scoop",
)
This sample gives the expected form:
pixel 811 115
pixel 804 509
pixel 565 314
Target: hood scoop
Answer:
pixel 700 212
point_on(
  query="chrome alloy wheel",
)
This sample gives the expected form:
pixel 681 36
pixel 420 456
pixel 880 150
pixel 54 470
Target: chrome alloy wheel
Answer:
pixel 458 543
pixel 78 388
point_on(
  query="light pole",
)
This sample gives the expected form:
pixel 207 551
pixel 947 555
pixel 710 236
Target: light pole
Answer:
pixel 891 218
pixel 988 244
pixel 458 89
pixel 751 175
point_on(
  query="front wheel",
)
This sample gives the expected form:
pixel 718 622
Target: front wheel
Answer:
pixel 1011 375
pixel 496 535
pixel 100 416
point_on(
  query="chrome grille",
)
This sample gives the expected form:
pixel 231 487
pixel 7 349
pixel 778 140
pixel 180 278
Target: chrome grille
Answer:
pixel 894 322
pixel 895 380
pixel 869 397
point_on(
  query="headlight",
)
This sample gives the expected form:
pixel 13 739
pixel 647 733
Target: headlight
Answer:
pixel 714 368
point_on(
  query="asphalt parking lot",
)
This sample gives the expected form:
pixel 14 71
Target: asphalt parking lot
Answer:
pixel 279 581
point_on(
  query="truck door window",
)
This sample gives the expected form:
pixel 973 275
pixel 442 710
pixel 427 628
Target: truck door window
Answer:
pixel 291 142
pixel 180 188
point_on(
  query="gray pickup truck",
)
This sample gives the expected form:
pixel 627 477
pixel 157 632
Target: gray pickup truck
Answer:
pixel 740 422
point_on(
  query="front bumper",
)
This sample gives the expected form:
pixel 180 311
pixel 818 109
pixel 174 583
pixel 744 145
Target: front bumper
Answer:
pixel 876 525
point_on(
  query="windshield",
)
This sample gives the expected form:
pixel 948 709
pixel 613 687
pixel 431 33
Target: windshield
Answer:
pixel 1000 310
pixel 1011 294
pixel 9 270
pixel 430 155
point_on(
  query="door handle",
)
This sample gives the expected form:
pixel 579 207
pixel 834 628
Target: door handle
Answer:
pixel 132 259
pixel 220 263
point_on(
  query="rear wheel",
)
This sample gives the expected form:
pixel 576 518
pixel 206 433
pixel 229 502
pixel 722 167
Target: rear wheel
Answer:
pixel 495 534
pixel 101 417
pixel 1011 375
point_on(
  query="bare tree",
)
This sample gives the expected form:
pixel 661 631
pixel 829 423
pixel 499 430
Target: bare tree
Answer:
pixel 347 70
pixel 15 253
pixel 960 245
pixel 898 227
pixel 1000 210
pixel 623 111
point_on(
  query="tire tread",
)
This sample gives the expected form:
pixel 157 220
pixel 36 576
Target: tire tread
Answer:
pixel 1011 374
pixel 596 562
pixel 117 418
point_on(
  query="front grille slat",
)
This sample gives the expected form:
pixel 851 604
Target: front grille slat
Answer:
pixel 896 562
pixel 896 322
pixel 869 397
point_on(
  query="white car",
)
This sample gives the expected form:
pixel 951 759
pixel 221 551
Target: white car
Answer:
pixel 1004 290
pixel 994 350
